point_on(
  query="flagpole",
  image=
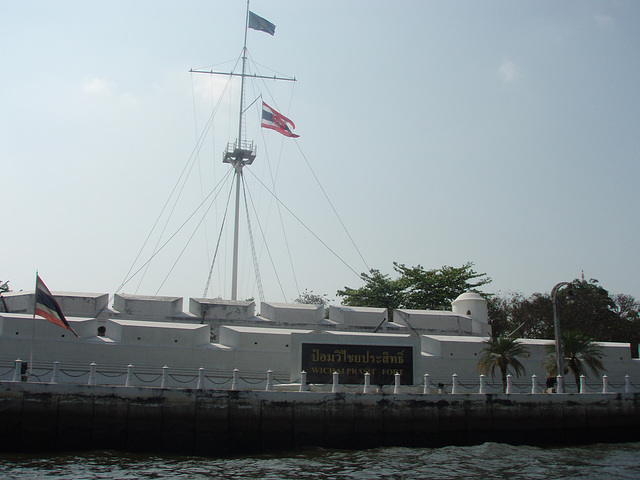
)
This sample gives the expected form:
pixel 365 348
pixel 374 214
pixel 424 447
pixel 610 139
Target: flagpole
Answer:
pixel 242 152
pixel 244 67
pixel 238 165
pixel 33 327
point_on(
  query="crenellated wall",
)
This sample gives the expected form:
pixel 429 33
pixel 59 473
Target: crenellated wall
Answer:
pixel 221 335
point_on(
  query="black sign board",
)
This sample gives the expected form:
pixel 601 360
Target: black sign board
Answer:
pixel 351 362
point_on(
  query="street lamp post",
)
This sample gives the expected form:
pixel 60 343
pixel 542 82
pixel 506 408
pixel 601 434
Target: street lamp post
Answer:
pixel 556 326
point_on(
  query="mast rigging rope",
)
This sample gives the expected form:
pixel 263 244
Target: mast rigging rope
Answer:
pixel 215 253
pixel 308 229
pixel 266 246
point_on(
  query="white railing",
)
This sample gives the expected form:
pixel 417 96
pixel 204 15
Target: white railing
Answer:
pixel 203 379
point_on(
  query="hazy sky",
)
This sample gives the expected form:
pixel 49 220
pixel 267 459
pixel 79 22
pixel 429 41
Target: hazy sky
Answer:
pixel 498 132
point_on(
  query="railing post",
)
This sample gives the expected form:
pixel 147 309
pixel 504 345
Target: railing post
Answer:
pixel 236 379
pixel 334 388
pixel 92 374
pixel 200 384
pixel 454 383
pixel 583 384
pixel 605 384
pixel 509 384
pixel 56 372
pixel 534 384
pixel 17 374
pixel 269 381
pixel 483 379
pixel 427 384
pixel 303 381
pixel 559 388
pixel 627 384
pixel 367 383
pixel 396 383
pixel 165 377
pixel 129 381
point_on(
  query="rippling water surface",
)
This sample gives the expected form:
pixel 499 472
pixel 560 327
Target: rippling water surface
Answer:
pixel 490 460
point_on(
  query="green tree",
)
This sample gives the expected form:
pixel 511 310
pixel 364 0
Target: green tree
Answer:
pixel 379 291
pixel 4 286
pixel 309 298
pixel 415 287
pixel 502 352
pixel 627 307
pixel 579 352
pixel 591 310
pixel 499 309
pixel 629 312
pixel 530 317
pixel 437 288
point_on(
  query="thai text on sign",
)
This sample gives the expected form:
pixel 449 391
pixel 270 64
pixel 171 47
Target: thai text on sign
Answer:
pixel 351 362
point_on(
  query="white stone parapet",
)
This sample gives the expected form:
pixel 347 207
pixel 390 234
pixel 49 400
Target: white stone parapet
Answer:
pixel 148 306
pixel 292 313
pixel 358 316
pixel 219 309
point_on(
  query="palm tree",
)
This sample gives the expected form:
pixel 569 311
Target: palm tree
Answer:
pixel 579 351
pixel 502 352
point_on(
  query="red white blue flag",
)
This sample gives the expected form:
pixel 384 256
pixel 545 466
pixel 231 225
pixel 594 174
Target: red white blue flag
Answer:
pixel 48 308
pixel 276 121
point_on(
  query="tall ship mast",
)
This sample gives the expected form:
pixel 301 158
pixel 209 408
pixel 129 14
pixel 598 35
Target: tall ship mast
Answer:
pixel 242 152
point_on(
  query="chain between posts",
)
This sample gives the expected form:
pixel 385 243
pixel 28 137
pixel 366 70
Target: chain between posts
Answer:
pixel 427 386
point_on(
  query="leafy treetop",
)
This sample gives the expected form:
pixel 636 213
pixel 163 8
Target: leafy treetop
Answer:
pixel 310 298
pixel 415 287
pixel 592 311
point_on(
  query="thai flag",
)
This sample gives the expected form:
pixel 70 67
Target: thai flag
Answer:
pixel 276 121
pixel 48 308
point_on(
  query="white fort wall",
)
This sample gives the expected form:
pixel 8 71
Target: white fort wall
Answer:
pixel 444 356
pixel 218 335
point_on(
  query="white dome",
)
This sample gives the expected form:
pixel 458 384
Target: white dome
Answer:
pixel 472 305
pixel 469 296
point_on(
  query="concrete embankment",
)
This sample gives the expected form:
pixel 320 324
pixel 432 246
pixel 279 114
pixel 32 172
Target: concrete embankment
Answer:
pixel 44 417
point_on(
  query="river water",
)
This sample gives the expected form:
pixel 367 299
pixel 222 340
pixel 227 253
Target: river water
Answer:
pixel 487 461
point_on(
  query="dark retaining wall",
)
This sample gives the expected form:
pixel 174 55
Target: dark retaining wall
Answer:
pixel 49 418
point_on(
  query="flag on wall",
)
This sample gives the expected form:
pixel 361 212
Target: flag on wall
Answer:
pixel 276 121
pixel 48 308
pixel 259 23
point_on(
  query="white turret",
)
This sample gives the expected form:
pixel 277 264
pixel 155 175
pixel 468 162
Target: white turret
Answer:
pixel 475 306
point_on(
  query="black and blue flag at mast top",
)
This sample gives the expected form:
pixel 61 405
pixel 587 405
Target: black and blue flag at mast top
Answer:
pixel 256 22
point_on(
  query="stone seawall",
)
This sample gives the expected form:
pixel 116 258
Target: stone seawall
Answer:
pixel 47 418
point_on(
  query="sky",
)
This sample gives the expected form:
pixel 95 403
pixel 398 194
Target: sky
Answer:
pixel 501 133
